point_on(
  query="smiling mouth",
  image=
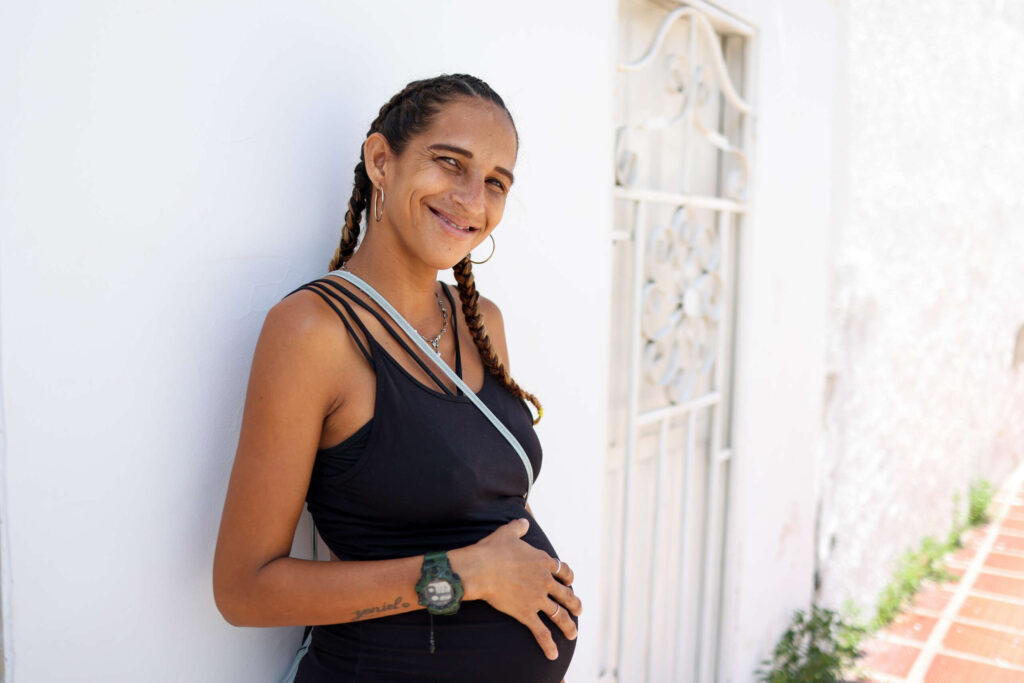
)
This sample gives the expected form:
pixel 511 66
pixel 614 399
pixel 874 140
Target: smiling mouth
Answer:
pixel 445 219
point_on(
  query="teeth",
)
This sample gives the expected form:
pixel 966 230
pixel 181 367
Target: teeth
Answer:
pixel 463 229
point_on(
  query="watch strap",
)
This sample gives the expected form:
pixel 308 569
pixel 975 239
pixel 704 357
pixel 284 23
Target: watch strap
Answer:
pixel 437 567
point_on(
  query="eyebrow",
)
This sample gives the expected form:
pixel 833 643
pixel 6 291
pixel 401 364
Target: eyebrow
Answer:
pixel 469 155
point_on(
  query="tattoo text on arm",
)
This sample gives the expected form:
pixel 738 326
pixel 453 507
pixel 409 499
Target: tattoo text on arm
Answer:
pixel 386 607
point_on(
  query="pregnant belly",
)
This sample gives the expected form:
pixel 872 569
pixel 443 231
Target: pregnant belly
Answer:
pixel 478 643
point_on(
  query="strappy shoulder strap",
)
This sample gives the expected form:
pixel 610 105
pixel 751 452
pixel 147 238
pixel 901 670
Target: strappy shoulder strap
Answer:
pixel 319 290
pixel 442 366
pixel 455 330
pixel 390 330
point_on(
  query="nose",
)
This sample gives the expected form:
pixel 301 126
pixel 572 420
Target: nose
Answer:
pixel 469 195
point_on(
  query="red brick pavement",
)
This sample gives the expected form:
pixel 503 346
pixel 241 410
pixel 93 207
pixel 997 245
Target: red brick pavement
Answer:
pixel 971 629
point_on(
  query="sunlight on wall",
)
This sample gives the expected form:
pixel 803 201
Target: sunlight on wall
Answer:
pixel 928 266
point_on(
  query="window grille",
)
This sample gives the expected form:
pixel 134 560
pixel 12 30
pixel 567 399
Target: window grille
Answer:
pixel 682 177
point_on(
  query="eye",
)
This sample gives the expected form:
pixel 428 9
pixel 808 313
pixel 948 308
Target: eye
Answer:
pixel 497 183
pixel 448 161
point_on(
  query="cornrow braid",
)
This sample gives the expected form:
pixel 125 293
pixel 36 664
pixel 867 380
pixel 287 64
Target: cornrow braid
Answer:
pixel 404 116
pixel 474 320
pixel 353 217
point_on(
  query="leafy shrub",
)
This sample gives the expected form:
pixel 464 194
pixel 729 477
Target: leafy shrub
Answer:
pixel 816 648
pixel 979 497
pixel 819 647
pixel 914 567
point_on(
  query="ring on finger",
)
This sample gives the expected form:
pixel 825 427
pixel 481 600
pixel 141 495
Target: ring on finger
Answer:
pixel 557 609
pixel 557 569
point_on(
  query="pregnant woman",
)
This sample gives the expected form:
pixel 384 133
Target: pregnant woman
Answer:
pixel 438 570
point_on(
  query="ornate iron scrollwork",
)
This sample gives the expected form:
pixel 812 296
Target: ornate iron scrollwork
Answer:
pixel 683 302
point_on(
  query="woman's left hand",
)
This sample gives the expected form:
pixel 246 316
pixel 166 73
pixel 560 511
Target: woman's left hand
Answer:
pixel 520 580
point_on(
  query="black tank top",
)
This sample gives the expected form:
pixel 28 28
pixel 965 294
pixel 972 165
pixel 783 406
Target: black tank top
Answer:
pixel 427 472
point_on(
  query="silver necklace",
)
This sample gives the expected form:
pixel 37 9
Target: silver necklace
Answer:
pixel 444 328
pixel 436 341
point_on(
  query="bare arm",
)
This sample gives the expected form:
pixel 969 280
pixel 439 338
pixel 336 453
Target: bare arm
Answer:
pixel 293 386
pixel 255 582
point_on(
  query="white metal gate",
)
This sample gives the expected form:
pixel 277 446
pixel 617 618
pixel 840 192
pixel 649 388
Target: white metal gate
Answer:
pixel 680 200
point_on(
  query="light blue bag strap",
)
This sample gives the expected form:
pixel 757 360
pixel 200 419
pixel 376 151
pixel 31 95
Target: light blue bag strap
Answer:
pixel 289 675
pixel 293 670
pixel 439 362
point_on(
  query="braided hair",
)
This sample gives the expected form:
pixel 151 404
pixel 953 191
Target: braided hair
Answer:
pixel 403 117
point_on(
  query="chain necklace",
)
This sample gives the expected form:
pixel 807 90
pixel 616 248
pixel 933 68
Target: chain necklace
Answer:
pixel 444 328
pixel 435 341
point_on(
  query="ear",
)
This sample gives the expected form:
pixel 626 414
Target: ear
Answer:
pixel 377 155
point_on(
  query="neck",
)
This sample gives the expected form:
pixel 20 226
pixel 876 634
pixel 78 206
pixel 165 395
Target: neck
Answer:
pixel 408 284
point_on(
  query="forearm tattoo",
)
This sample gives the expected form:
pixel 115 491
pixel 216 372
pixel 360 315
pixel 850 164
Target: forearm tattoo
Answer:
pixel 386 607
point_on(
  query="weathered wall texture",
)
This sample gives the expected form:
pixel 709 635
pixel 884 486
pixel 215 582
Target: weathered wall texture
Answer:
pixel 927 278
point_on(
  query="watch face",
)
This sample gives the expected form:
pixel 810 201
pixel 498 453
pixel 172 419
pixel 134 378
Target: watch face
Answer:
pixel 439 593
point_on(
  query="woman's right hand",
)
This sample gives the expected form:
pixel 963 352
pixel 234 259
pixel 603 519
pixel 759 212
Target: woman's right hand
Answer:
pixel 519 580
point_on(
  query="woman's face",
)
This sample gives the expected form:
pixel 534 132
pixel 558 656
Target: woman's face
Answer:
pixel 446 192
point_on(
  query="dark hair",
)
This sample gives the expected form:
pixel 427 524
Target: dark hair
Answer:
pixel 403 117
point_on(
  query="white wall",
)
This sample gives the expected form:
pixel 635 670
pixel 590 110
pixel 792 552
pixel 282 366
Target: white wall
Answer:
pixel 927 279
pixel 780 330
pixel 170 170
pixel 880 296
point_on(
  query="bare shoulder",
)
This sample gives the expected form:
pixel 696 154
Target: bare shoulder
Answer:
pixel 491 313
pixel 302 321
pixel 494 323
pixel 301 310
pixel 302 336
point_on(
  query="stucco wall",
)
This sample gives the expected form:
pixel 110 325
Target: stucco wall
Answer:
pixel 780 344
pixel 927 278
pixel 169 171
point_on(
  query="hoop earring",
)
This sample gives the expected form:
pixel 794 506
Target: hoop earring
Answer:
pixel 378 209
pixel 489 256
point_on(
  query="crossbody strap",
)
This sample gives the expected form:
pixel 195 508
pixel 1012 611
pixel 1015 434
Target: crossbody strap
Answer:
pixel 411 332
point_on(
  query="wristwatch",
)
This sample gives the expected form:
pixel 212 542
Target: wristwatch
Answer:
pixel 439 588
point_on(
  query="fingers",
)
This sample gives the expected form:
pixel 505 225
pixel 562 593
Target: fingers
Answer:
pixel 543 636
pixel 562 590
pixel 524 582
pixel 562 572
pixel 559 615
pixel 565 596
pixel 519 526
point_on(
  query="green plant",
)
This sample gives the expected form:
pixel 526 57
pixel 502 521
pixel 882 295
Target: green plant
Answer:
pixel 819 647
pixel 926 563
pixel 814 649
pixel 979 497
pixel 959 524
pixel 914 567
